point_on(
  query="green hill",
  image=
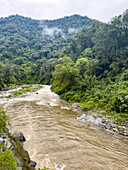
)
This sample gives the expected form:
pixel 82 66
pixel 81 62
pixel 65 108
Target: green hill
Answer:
pixel 26 43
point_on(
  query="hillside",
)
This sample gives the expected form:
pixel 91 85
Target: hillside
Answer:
pixel 94 70
pixel 25 44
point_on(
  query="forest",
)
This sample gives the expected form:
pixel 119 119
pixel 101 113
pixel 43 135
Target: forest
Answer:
pixel 84 60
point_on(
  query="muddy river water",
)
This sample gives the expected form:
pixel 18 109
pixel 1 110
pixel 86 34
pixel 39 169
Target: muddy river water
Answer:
pixel 56 139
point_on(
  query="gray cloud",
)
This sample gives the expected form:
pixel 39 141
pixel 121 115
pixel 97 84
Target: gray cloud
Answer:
pixel 102 10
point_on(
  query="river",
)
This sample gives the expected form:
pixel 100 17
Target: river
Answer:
pixel 56 139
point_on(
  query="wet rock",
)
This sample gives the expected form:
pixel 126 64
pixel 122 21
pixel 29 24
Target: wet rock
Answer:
pixel 32 163
pixel 125 132
pixel 95 121
pixel 24 87
pixel 115 130
pixel 1 140
pixel 20 137
pixel 103 121
pixel 19 168
pixel 75 105
pixel 82 118
pixel 108 126
pixel 27 159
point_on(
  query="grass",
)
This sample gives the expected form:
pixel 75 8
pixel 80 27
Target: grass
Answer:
pixel 22 91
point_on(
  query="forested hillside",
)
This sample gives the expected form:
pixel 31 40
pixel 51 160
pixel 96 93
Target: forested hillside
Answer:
pixel 85 60
pixel 29 48
pixel 94 70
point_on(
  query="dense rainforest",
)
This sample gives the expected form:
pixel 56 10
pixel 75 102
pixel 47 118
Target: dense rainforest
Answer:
pixel 29 48
pixel 85 60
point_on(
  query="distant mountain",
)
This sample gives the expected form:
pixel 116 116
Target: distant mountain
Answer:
pixel 25 41
pixel 24 25
pixel 18 33
pixel 74 22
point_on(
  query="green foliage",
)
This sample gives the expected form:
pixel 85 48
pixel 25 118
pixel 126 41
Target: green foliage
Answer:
pixel 16 93
pixel 4 121
pixel 65 75
pixel 29 52
pixel 22 91
pixel 101 68
pixel 7 160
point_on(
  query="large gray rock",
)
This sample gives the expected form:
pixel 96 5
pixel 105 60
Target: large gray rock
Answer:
pixel 19 135
pixel 32 163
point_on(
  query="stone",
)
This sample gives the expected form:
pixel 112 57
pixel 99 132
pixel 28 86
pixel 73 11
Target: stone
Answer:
pixel 32 163
pixel 19 168
pixel 1 140
pixel 20 137
pixel 115 130
pixel 27 159
pixel 125 133
pixel 108 126
pixel 75 104
pixel 103 121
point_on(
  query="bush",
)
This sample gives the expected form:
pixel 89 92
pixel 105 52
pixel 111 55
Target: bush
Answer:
pixel 7 160
pixel 4 121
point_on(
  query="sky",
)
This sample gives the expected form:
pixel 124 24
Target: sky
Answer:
pixel 102 10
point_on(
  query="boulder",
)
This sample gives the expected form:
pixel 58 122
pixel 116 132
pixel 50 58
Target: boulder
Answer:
pixel 20 137
pixel 32 163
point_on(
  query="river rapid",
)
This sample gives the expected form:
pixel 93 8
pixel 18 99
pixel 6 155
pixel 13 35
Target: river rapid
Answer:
pixel 56 139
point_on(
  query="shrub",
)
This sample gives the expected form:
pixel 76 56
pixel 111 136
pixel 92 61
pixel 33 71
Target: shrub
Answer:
pixel 7 160
pixel 4 121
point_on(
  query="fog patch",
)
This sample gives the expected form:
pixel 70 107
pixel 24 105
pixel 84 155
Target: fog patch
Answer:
pixel 72 30
pixel 52 32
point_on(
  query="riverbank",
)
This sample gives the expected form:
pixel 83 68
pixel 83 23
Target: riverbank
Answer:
pixel 103 120
pixel 19 91
pixel 12 154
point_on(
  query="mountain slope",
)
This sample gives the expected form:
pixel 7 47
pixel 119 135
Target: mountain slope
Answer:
pixel 27 44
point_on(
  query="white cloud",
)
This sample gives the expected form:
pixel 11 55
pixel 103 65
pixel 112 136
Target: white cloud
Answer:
pixel 50 9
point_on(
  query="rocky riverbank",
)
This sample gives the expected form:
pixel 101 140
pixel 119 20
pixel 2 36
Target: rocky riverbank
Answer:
pixel 105 122
pixel 14 143
pixel 19 91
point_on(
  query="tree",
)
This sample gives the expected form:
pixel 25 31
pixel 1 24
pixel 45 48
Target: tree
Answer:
pixel 82 65
pixel 65 75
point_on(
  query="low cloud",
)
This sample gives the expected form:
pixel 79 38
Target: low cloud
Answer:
pixel 72 30
pixel 52 31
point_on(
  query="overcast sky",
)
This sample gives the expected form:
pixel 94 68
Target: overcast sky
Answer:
pixel 102 10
